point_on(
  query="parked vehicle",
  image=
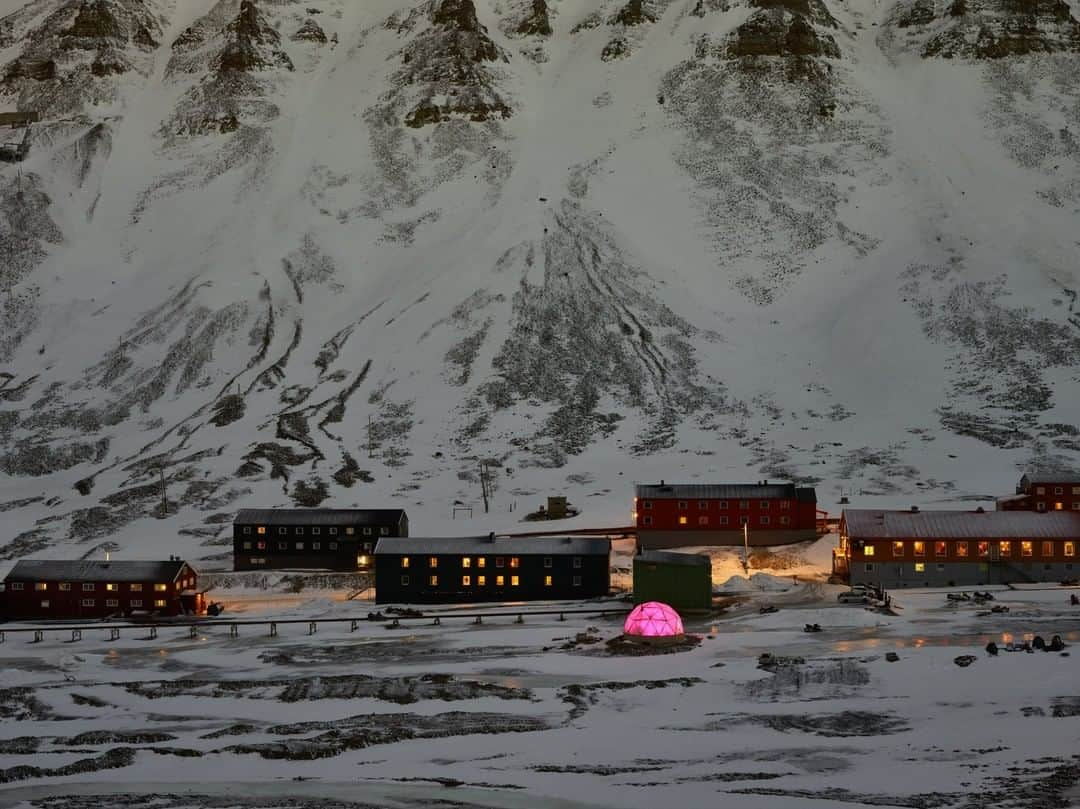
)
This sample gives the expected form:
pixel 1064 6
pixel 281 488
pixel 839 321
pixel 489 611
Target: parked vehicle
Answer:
pixel 812 628
pixel 853 597
pixel 767 609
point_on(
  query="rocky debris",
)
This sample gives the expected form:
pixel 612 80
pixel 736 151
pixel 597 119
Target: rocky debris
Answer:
pixel 252 43
pixel 930 800
pixel 581 696
pixel 26 543
pixel 844 723
pixel 310 31
pixel 102 737
pixel 617 48
pixel 20 745
pixel 813 10
pixel 20 704
pixel 350 472
pixel 279 456
pixel 777 32
pixel 703 7
pixel 832 679
pixel 538 21
pixel 635 12
pixel 228 409
pixel 116 758
pixel 309 494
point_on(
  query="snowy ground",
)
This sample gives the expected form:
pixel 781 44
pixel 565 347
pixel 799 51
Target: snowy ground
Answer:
pixel 529 715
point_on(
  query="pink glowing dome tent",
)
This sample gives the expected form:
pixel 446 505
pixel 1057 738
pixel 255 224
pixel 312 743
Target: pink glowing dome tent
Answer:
pixel 653 620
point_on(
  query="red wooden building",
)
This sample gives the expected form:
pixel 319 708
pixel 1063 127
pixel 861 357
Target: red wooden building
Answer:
pixel 42 589
pixel 1044 491
pixel 674 515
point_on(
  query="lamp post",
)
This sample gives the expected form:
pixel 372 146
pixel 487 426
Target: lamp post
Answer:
pixel 746 547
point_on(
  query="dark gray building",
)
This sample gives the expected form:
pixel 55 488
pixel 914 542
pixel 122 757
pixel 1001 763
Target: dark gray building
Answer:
pixel 312 538
pixel 451 570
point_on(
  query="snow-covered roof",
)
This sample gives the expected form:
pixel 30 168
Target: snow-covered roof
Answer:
pixel 875 524
pixel 725 491
pixel 1052 477
pixel 485 545
pixel 669 558
pixel 99 570
pixel 317 516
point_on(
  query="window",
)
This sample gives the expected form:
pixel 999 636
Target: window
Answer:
pixel 367 531
pixel 577 581
pixel 682 520
pixel 940 567
pixel 282 546
pixel 299 531
pixel 247 546
pixel 702 504
pixel 1076 506
pixel 384 531
pixel 299 546
pixel 577 562
pixel 547 561
pixel 316 531
pixel 961 549
pixel 433 561
pixel 135 602
pixel 1040 506
pixel 744 504
pixel 258 560
pixel 984 548
pixel 1005 547
pixel 111 602
pixel 481 581
pixel 160 588
pixel 404 581
pixel 333 546
pixel 65 586
pixel 514 581
pixel 1076 489
pixel 920 548
pixel 723 519
pixel 1025 548
pixel 744 520
pixel 515 562
pixel 18 585
pixel 261 546
pixel 785 520
pixel 135 588
pixel 763 520
pixel 466 581
pixel 41 586
pixel 898 549
pixel 349 531
pixel 647 504
pixel 723 504
pixel 481 562
pixel 1048 549
pixel 333 532
pixel 1059 490
pixel 247 529
pixel 316 546
pixel 282 530
pixel 941 548
pixel 433 581
pixel 499 581
pixel 920 567
pixel 868 550
pixel 785 504
pixel 646 520
pixel 1070 549
pixel 763 503
pixel 1040 490
pixel 404 561
pixel 547 581
pixel 87 602
pixel 159 602
pixel 466 561
pixel 261 529
pixel 45 604
pixel 498 561
pixel 87 588
pixel 869 567
pixel 682 505
pixel 702 520
pixel 112 588
pixel 1058 506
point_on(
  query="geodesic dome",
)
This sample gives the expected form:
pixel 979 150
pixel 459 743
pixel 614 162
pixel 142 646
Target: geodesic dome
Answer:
pixel 653 620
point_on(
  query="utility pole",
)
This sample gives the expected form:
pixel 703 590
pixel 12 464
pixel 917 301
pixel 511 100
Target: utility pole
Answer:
pixel 370 440
pixel 484 485
pixel 746 547
pixel 164 499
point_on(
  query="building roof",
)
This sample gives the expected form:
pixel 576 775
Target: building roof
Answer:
pixel 318 516
pixel 875 524
pixel 725 491
pixel 669 558
pixel 1052 477
pixel 522 546
pixel 95 570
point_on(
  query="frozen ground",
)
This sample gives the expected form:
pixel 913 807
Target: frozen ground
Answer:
pixel 540 714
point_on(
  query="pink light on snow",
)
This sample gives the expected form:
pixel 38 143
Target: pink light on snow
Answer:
pixel 653 620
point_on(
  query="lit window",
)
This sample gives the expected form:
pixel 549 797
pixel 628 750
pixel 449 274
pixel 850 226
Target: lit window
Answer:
pixel 898 549
pixel 112 588
pixel 135 588
pixel 404 581
pixel 261 529
pixel 547 561
pixel 404 561
pixel 1040 490
pixel 961 549
pixel 547 581
pixel 1059 506
pixel 1076 506
pixel 434 581
pixel 65 586
pixel 466 561
pixel 466 581
pixel 1070 549
pixel 160 588
pixel 45 605
pixel 1048 549
pixel 682 505
pixel 577 581
pixel 577 562
pixel 514 581
pixel 41 586
pixel 481 580
pixel 1026 548
pixel 515 561
pixel 1005 547
pixel 984 548
pixel 349 531
pixel 159 602
pixel 702 520
pixel 499 581
pixel 920 548
pixel 1076 489
pixel 941 548
pixel 868 550
pixel 920 567
pixel 433 561
pixel 481 562
pixel 261 546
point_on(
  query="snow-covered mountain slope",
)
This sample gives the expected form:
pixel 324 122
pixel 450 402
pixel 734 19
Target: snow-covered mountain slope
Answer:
pixel 337 252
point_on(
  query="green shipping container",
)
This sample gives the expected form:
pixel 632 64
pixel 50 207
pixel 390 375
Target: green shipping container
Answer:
pixel 681 580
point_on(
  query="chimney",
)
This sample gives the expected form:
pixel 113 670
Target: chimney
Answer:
pixel 661 481
pixel 491 537
pixel 914 509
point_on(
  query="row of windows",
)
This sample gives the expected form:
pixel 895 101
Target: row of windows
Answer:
pixel 920 567
pixel 982 548
pixel 317 531
pixel 1057 490
pixel 315 546
pixel 109 602
pixel 723 504
pixel 481 581
pixel 89 587
pixel 723 520
pixel 481 562
pixel 1041 506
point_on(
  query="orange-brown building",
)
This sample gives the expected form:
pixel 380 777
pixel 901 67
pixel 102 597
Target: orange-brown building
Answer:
pixel 1044 491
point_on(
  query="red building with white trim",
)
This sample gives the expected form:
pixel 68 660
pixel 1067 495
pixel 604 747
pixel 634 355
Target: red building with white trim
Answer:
pixel 674 515
pixel 1044 491
pixel 44 589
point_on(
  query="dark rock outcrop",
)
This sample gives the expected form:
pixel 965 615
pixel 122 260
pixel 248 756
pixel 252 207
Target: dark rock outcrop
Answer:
pixel 252 44
pixel 538 23
pixel 779 33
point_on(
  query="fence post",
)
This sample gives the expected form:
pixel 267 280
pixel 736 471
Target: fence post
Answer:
pixel 76 634
pixel 355 623
pixel 479 620
pixel 153 633
pixel 234 631
pixel 114 633
pixel 312 628
pixel 39 636
pixel 191 632
pixel 520 619
pixel 437 621
pixel 273 629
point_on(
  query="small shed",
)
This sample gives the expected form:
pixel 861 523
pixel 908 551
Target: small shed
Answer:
pixel 683 580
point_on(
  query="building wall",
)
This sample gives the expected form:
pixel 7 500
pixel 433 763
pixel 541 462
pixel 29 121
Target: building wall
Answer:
pixel 659 540
pixel 684 587
pixel 1052 497
pixel 29 602
pixel 959 574
pixel 410 582
pixel 723 515
pixel 309 547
